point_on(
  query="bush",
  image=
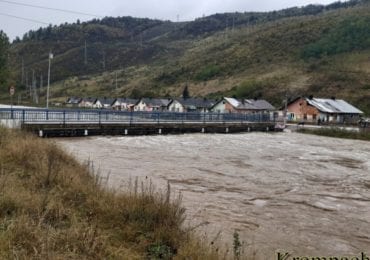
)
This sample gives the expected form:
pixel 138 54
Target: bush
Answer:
pixel 208 73
pixel 249 89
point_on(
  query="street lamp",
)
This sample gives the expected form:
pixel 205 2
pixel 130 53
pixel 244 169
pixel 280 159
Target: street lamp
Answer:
pixel 51 56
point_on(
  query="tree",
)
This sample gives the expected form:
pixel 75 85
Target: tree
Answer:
pixel 185 92
pixel 4 45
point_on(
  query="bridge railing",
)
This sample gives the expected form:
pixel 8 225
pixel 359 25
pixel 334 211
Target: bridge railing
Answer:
pixel 111 116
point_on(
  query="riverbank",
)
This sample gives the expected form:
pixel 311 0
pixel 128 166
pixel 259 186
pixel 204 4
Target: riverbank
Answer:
pixel 336 132
pixel 52 207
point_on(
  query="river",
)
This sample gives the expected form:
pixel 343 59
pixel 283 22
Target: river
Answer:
pixel 296 193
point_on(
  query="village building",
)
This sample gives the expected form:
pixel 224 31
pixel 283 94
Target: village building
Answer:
pixel 152 104
pixel 181 105
pixel 104 103
pixel 321 110
pixel 73 102
pixel 124 104
pixel 233 105
pixel 87 102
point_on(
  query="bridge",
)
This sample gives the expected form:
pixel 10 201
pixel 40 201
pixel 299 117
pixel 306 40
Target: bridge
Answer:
pixel 77 122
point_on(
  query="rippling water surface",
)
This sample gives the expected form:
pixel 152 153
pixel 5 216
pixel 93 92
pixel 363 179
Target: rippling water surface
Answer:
pixel 299 193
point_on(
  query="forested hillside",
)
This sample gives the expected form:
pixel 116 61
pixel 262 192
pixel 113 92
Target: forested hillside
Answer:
pixel 314 50
pixel 4 45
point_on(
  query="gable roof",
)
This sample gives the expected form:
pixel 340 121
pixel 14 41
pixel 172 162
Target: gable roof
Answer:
pixel 333 106
pixel 91 100
pixel 106 101
pixel 74 100
pixel 250 104
pixel 232 101
pixel 155 102
pixel 196 102
pixel 261 104
pixel 127 100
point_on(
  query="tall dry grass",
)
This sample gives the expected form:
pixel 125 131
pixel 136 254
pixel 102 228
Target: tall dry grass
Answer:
pixel 52 207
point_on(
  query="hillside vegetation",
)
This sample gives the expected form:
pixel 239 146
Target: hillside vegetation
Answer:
pixel 314 50
pixel 51 207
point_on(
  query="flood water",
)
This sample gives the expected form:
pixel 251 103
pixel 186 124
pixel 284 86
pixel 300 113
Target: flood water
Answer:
pixel 304 194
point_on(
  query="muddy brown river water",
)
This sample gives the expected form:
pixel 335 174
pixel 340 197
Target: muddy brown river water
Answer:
pixel 290 192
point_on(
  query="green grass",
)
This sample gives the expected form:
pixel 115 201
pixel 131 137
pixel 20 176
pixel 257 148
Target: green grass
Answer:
pixel 338 133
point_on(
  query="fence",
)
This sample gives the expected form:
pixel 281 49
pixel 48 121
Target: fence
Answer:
pixel 110 116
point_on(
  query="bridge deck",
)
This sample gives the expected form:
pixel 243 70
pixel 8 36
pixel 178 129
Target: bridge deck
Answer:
pixel 102 122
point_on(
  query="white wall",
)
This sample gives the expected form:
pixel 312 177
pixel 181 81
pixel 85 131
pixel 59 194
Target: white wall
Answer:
pixel 97 105
pixel 176 107
pixel 142 107
pixel 219 108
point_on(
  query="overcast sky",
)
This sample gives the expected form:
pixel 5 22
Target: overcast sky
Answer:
pixel 160 9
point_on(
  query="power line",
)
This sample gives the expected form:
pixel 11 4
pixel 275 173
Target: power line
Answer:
pixel 23 18
pixel 51 8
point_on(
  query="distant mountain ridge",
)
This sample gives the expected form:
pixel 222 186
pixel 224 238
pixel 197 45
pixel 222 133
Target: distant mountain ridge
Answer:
pixel 242 54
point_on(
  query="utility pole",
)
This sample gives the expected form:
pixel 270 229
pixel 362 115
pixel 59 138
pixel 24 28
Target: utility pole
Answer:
pixel 116 84
pixel 26 81
pixel 51 56
pixel 103 62
pixel 226 29
pixel 85 54
pixel 233 23
pixel 22 82
pixel 41 83
pixel 34 87
pixel 285 108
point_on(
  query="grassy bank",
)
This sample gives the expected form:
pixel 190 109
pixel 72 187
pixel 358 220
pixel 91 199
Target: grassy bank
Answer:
pixel 337 132
pixel 51 207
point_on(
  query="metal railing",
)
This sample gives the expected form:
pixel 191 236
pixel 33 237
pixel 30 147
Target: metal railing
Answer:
pixel 110 116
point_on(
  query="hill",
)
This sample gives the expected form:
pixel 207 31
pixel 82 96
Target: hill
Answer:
pixel 314 50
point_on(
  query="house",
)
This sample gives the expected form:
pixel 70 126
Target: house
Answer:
pixel 87 102
pixel 322 110
pixel 124 104
pixel 233 105
pixel 191 105
pixel 104 103
pixel 152 104
pixel 73 101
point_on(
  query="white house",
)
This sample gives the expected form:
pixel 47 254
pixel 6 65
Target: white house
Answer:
pixel 233 105
pixel 87 102
pixel 104 103
pixel 191 105
pixel 152 104
pixel 124 104
pixel 73 102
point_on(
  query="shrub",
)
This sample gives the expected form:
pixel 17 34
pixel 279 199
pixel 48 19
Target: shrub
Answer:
pixel 208 72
